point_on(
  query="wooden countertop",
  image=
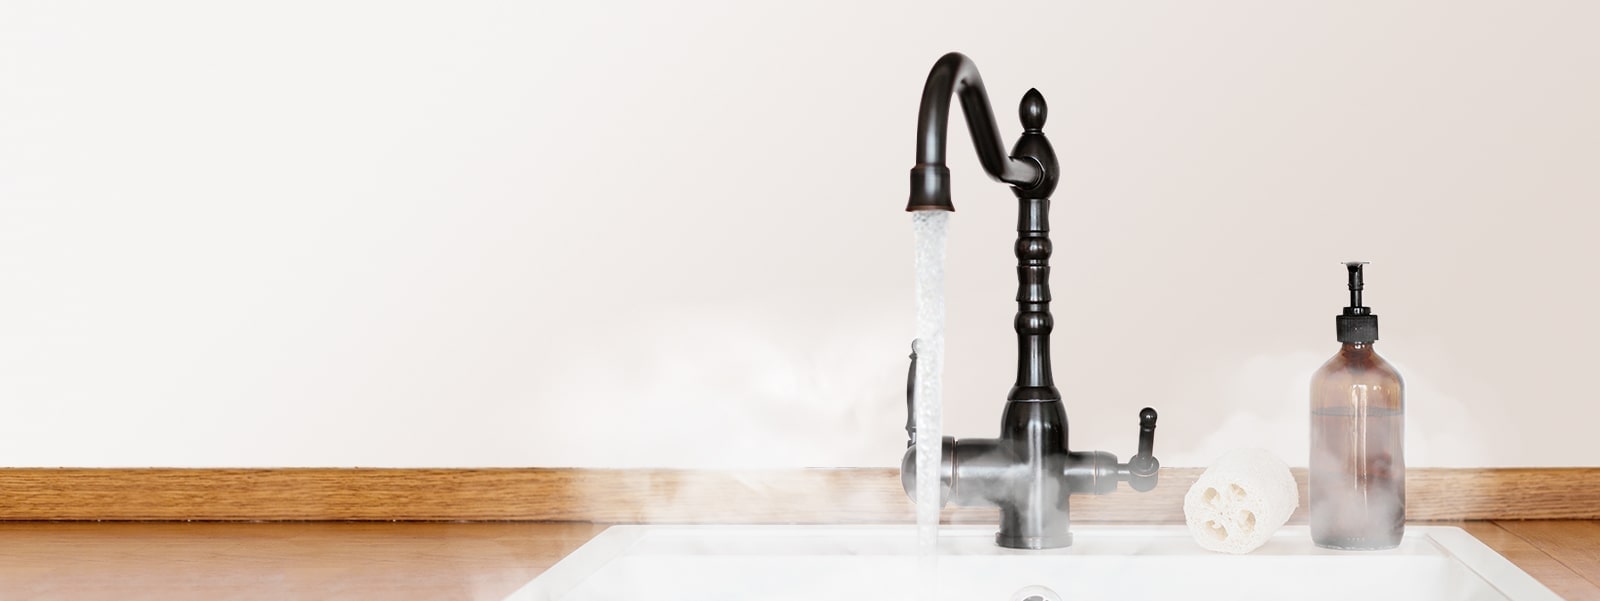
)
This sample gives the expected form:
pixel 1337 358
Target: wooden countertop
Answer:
pixel 335 560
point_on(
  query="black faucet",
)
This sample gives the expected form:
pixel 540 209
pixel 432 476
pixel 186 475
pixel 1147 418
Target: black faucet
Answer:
pixel 1028 471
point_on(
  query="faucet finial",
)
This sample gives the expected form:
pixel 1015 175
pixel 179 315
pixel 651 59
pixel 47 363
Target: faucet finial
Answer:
pixel 1035 148
pixel 1033 111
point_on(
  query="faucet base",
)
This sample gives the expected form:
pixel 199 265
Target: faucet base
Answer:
pixel 1033 543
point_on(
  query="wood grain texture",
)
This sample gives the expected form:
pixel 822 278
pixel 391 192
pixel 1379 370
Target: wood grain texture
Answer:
pixel 833 496
pixel 1575 544
pixel 355 561
pixel 1535 560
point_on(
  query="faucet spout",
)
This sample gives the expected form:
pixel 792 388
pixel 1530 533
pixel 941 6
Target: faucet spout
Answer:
pixel 956 75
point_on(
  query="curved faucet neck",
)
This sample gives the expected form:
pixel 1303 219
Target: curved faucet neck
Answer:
pixel 956 75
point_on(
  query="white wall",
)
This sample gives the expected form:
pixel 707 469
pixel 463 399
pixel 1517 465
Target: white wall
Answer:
pixel 598 234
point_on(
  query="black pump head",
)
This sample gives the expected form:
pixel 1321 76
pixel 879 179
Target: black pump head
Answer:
pixel 1357 324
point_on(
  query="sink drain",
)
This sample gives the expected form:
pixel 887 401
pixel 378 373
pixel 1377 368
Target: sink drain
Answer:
pixel 1035 593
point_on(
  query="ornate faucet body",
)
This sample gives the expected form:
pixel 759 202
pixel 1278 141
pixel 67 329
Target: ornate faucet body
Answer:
pixel 1028 471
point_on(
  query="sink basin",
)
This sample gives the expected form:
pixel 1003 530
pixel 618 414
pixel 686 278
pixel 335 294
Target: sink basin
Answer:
pixel 845 563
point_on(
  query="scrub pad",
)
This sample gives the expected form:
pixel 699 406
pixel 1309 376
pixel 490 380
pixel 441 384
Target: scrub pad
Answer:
pixel 1240 501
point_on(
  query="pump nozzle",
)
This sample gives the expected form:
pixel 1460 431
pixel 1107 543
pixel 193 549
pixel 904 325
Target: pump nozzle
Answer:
pixel 1357 324
pixel 1355 307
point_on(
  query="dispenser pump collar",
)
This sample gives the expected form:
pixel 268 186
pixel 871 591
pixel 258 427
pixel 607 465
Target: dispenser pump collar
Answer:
pixel 1357 324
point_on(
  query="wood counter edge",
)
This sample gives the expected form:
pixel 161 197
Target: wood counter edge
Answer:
pixel 645 496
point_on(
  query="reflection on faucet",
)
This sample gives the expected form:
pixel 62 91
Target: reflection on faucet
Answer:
pixel 1028 471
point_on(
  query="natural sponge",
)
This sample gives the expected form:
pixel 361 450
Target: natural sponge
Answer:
pixel 1240 501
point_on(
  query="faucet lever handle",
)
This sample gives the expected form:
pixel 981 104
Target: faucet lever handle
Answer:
pixel 911 396
pixel 1147 432
pixel 1144 468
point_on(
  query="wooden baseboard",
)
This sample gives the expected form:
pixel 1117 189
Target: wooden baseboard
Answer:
pixel 865 495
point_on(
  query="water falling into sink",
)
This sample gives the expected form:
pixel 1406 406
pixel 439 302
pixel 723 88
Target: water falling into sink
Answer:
pixel 929 228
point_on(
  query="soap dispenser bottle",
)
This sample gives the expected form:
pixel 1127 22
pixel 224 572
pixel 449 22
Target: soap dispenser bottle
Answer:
pixel 1358 467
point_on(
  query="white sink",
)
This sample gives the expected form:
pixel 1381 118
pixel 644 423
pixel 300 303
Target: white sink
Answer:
pixel 845 563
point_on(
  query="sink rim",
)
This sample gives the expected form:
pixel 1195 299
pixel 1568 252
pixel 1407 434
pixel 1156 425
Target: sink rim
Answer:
pixel 1449 542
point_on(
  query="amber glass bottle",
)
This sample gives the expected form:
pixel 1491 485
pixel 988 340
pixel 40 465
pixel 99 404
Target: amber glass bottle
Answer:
pixel 1358 467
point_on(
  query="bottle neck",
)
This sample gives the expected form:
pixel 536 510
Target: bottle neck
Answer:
pixel 1356 347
